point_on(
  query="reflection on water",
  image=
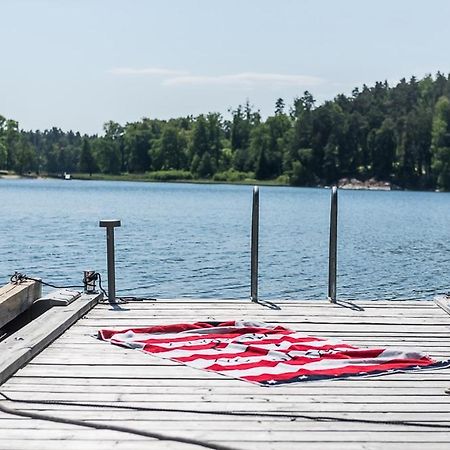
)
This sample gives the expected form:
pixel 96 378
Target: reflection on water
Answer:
pixel 188 240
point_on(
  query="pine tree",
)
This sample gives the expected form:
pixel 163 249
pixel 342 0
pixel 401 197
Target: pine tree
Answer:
pixel 87 162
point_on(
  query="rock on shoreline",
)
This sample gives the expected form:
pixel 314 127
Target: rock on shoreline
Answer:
pixel 372 184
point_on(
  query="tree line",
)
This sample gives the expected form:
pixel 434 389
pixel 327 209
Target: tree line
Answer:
pixel 395 133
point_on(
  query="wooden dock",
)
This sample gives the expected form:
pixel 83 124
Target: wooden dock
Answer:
pixel 17 298
pixel 78 368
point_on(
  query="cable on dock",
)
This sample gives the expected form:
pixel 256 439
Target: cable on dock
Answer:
pixel 18 277
pixel 99 426
pixel 266 304
pixel 291 417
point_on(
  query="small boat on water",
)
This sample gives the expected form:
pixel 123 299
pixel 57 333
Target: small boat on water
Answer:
pixel 67 176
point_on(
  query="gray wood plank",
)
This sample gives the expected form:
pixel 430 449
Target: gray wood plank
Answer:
pixel 114 414
pixel 22 346
pixel 251 398
pixel 92 444
pixel 394 390
pixel 228 436
pixel 220 425
pixel 178 371
pixel 123 445
pixel 225 383
pixel 79 368
pixel 17 298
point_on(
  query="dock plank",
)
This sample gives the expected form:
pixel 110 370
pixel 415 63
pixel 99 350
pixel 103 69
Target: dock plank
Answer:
pixel 15 298
pixel 79 368
pixel 19 348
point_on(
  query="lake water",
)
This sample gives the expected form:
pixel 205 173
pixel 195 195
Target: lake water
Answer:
pixel 190 240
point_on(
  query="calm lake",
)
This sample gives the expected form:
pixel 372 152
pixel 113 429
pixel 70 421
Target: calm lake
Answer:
pixel 189 240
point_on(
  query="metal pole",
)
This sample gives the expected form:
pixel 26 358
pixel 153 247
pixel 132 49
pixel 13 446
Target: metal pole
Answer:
pixel 254 246
pixel 110 225
pixel 332 257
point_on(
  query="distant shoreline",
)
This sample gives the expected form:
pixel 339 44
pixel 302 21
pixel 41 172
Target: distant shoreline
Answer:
pixel 344 184
pixel 143 178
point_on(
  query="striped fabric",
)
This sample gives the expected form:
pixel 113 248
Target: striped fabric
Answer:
pixel 264 354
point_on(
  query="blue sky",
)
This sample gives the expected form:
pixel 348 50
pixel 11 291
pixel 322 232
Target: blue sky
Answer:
pixel 75 64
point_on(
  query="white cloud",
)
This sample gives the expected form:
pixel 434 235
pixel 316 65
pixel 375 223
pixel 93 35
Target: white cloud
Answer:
pixel 155 71
pixel 172 77
pixel 244 79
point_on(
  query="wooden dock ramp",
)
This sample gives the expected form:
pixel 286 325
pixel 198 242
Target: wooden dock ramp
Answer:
pixel 78 368
pixel 16 298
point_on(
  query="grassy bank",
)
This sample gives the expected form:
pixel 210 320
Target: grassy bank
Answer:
pixel 179 176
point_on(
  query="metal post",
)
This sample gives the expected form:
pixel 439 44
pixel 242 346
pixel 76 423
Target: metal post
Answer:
pixel 254 246
pixel 110 225
pixel 332 257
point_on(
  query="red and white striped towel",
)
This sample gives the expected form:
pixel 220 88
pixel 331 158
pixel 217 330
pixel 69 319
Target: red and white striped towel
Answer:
pixel 265 354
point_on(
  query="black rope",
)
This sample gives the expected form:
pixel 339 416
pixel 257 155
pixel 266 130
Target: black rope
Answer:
pixel 19 277
pixel 99 426
pixel 291 417
pixel 96 276
pixel 128 299
pixel 121 299
pixel 266 304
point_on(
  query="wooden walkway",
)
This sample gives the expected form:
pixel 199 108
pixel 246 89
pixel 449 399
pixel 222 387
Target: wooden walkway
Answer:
pixel 76 367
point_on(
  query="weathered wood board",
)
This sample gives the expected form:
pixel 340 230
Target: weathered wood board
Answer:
pixel 78 368
pixel 19 348
pixel 17 298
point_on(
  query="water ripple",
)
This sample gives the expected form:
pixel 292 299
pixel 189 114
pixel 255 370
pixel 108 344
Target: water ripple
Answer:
pixel 180 240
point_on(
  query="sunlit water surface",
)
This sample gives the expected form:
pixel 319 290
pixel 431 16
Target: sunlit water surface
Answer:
pixel 189 240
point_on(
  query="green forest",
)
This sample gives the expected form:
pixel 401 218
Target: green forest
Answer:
pixel 399 134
